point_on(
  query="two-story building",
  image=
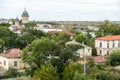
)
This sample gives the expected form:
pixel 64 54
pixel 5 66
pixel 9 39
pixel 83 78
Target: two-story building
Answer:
pixel 105 45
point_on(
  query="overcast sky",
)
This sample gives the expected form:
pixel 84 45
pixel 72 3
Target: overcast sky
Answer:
pixel 62 10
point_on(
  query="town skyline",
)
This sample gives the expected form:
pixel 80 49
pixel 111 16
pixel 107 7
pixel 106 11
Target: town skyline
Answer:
pixel 62 10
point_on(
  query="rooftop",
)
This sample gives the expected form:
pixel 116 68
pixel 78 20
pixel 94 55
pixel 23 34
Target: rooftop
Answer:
pixel 64 32
pixel 25 13
pixel 12 53
pixel 108 38
pixel 100 59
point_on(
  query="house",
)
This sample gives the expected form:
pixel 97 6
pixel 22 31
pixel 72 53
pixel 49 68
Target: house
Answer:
pixel 94 28
pixel 5 21
pixel 107 44
pixel 17 28
pixel 12 59
pixel 44 26
pixel 62 32
pixel 83 51
pixel 99 59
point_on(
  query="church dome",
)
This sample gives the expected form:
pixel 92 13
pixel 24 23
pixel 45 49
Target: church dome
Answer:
pixel 25 13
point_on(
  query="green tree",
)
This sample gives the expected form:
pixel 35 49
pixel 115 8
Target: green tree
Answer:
pixel 70 70
pixel 79 76
pixel 108 28
pixel 115 58
pixel 30 25
pixel 11 73
pixel 80 38
pixel 35 53
pixel 47 72
pixel 1 45
pixel 91 62
pixel 103 76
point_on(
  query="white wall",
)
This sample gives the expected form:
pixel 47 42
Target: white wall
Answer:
pixel 87 52
pixel 105 48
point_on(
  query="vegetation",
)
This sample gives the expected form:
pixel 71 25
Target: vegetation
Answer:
pixel 50 59
pixel 114 58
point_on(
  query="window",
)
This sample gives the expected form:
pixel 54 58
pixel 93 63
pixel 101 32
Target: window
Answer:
pixel 15 63
pixel 107 52
pixel 100 52
pixel 100 44
pixel 107 44
pixel 88 50
pixel 4 62
pixel 113 44
pixel 119 44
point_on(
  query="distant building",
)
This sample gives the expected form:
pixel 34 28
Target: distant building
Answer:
pixel 18 27
pixel 6 21
pixel 80 52
pixel 44 26
pixel 12 59
pixel 62 32
pixel 94 28
pixel 107 44
pixel 25 17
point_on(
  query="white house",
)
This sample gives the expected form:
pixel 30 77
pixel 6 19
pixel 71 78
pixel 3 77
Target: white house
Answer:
pixel 12 59
pixel 105 45
pixel 44 26
pixel 83 51
pixel 95 28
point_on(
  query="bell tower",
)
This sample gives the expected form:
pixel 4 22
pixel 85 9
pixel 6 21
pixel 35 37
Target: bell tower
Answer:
pixel 25 17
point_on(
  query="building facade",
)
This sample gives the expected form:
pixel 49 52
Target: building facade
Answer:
pixel 107 44
pixel 85 51
pixel 25 17
pixel 12 59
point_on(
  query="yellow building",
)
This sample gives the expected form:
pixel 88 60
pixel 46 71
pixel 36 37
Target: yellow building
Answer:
pixel 12 59
pixel 25 17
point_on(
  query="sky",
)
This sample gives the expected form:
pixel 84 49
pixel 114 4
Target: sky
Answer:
pixel 62 10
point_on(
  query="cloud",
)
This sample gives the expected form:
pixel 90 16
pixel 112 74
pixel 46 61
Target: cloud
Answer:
pixel 62 9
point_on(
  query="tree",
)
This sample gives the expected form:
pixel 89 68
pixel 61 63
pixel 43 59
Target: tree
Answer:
pixel 91 62
pixel 94 52
pixel 5 24
pixel 81 38
pixel 115 58
pixel 61 38
pixel 1 45
pixel 11 73
pixel 108 28
pixel 70 70
pixel 103 76
pixel 30 25
pixel 35 53
pixel 47 72
pixel 79 76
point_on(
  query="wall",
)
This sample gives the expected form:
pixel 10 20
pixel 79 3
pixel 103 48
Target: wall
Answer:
pixel 105 49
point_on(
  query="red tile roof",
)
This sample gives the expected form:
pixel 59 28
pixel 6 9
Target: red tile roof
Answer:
pixel 64 32
pixel 99 59
pixel 12 53
pixel 116 37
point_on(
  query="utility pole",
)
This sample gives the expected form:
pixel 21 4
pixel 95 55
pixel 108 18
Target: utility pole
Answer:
pixel 84 60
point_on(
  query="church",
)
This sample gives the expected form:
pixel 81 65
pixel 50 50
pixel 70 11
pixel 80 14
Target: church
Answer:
pixel 20 24
pixel 25 17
